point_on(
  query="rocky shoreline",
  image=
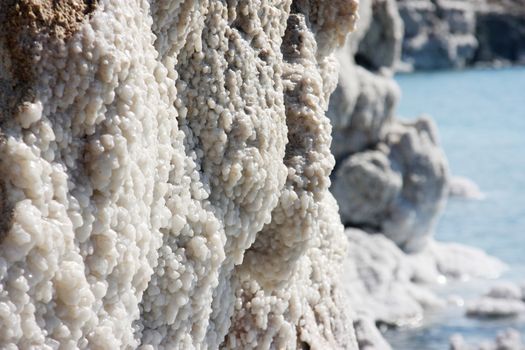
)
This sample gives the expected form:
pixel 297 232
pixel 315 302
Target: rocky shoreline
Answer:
pixel 391 178
pixel 166 167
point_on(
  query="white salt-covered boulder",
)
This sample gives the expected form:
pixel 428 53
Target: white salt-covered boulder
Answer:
pixel 145 147
pixel 398 188
pixel 366 186
pixel 502 300
pixel 494 307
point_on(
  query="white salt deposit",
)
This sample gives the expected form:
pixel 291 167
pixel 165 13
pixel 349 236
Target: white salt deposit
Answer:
pixel 162 140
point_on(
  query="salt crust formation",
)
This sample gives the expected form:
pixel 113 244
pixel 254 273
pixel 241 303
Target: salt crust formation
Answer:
pixel 164 175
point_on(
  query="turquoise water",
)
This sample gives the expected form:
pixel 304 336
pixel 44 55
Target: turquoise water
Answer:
pixel 481 119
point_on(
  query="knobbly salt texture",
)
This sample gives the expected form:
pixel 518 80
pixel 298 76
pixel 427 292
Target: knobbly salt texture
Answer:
pixel 148 146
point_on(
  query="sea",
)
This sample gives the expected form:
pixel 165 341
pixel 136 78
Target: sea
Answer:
pixel 480 115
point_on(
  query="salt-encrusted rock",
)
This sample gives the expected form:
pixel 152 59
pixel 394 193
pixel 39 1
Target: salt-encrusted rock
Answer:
pixel 455 33
pixel 380 47
pixel 463 187
pixel 415 154
pixel 459 261
pixel 366 186
pixel 494 307
pixel 390 176
pixel 398 188
pixel 509 339
pixel 144 147
pixel 364 102
pixel 368 336
pixel 360 108
pixel 377 280
pixel 388 286
pixel 438 34
pixel 502 300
